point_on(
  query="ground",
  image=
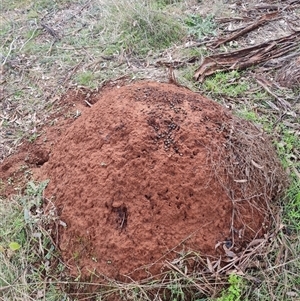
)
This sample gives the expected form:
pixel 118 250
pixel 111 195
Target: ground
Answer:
pixel 147 178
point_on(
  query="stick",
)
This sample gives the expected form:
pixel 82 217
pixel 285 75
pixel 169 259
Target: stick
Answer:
pixel 259 22
pixel 280 100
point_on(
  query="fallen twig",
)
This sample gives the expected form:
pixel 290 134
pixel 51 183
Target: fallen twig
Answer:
pixel 260 80
pixel 9 51
pixel 260 21
pixel 247 57
pixel 51 31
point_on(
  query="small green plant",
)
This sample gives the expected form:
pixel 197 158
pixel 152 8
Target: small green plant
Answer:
pixel 234 291
pixel 176 292
pixel 201 27
pixel 33 137
pixel 226 83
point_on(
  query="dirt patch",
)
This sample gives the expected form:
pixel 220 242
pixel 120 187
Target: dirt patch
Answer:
pixel 146 172
pixel 138 179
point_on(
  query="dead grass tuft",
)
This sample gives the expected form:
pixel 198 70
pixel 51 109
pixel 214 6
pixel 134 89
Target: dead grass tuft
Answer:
pixel 289 75
pixel 254 180
pixel 251 166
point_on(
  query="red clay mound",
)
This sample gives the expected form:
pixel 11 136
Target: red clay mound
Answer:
pixel 134 181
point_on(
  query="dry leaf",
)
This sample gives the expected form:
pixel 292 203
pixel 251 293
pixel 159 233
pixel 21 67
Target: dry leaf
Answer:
pixel 209 265
pixel 241 181
pixel 292 294
pixel 62 223
pixel 256 165
pixel 256 242
pixel 228 252
pixel 218 244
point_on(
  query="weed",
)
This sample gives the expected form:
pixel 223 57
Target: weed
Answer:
pixel 233 292
pixel 248 115
pixel 200 27
pixel 33 137
pixel 175 290
pixel 260 95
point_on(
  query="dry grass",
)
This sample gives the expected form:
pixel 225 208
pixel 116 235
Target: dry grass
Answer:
pixel 289 74
pixel 250 172
pixel 49 48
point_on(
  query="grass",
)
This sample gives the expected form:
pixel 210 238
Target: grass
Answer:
pixel 292 206
pixel 279 279
pixel 139 27
pixel 27 252
pixel 101 40
pixel 86 79
pixel 230 84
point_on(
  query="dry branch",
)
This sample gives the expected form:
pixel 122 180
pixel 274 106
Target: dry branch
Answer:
pixel 247 57
pixel 262 82
pixel 260 21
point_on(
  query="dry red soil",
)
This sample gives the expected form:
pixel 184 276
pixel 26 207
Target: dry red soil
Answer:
pixel 133 180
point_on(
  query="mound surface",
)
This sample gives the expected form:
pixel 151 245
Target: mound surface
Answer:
pixel 135 182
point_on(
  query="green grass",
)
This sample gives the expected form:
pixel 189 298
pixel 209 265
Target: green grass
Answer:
pixel 229 84
pixel 291 206
pixel 27 252
pixel 248 115
pixel 86 79
pixel 288 146
pixel 37 5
